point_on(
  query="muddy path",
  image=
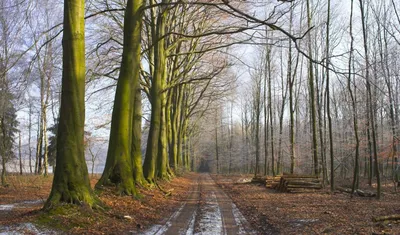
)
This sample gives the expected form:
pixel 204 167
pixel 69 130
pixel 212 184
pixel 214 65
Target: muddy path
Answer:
pixel 207 210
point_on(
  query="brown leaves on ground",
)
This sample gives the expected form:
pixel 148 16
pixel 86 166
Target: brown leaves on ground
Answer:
pixel 124 214
pixel 319 212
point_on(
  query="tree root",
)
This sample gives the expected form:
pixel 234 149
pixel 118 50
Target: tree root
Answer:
pixel 166 193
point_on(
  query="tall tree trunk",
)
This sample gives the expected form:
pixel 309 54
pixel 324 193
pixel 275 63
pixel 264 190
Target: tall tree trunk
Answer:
pixel 370 162
pixel 271 113
pixel 230 139
pixel 257 111
pixel 312 96
pixel 118 169
pixel 266 124
pixel 354 103
pixel 29 137
pixel 162 160
pixel 39 146
pixel 389 84
pixel 281 113
pixel 19 153
pixel 216 143
pixel 3 171
pixel 290 79
pixel 369 94
pixel 328 106
pixel 137 138
pixel 149 167
pixel 46 150
pixel 46 104
pixel 71 180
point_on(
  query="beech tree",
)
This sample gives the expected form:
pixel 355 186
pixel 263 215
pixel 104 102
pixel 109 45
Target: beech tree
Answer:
pixel 71 179
pixel 118 169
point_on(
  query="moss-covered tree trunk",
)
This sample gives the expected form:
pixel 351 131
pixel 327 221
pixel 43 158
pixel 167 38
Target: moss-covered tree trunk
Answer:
pixel 184 146
pixel 180 125
pixel 149 167
pixel 71 180
pixel 178 118
pixel 137 139
pixel 171 133
pixel 162 160
pixel 183 127
pixel 168 137
pixel 118 168
pixel 175 117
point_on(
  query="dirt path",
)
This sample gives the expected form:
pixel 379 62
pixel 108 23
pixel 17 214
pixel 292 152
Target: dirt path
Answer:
pixel 207 210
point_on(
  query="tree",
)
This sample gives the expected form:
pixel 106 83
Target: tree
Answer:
pixel 353 101
pixel 52 155
pixel 10 28
pixel 71 179
pixel 312 94
pixel 137 139
pixel 8 128
pixel 328 107
pixel 118 169
pixel 156 93
pixel 369 96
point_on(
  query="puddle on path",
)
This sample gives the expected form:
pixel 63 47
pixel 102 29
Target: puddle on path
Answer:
pixel 210 221
pixel 23 204
pixel 25 228
pixel 239 219
pixel 302 222
pixel 161 229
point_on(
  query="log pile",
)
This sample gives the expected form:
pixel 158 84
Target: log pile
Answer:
pixel 258 179
pixel 298 183
pixel 273 181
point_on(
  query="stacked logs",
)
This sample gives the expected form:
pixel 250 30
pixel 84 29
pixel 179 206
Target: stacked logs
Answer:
pixel 273 181
pixel 294 183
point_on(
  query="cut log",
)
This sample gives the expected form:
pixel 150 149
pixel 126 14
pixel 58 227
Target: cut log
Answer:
pixel 358 192
pixel 260 180
pixel 343 190
pixel 365 193
pixel 304 186
pixel 384 218
pixel 302 181
pixel 244 181
pixel 301 190
pixel 287 176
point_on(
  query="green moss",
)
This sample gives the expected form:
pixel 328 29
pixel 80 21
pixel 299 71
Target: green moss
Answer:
pixel 65 217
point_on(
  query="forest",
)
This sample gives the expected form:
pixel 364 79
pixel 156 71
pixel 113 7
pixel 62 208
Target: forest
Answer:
pixel 199 117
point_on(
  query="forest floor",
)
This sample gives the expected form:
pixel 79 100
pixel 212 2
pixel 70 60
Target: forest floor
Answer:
pixel 321 212
pixel 21 203
pixel 198 204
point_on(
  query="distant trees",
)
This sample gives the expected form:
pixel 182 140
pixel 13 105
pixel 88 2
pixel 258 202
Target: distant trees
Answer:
pixel 355 120
pixel 53 144
pixel 9 53
pixel 8 127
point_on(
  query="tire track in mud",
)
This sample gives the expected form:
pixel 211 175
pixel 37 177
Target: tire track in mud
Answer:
pixel 207 210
